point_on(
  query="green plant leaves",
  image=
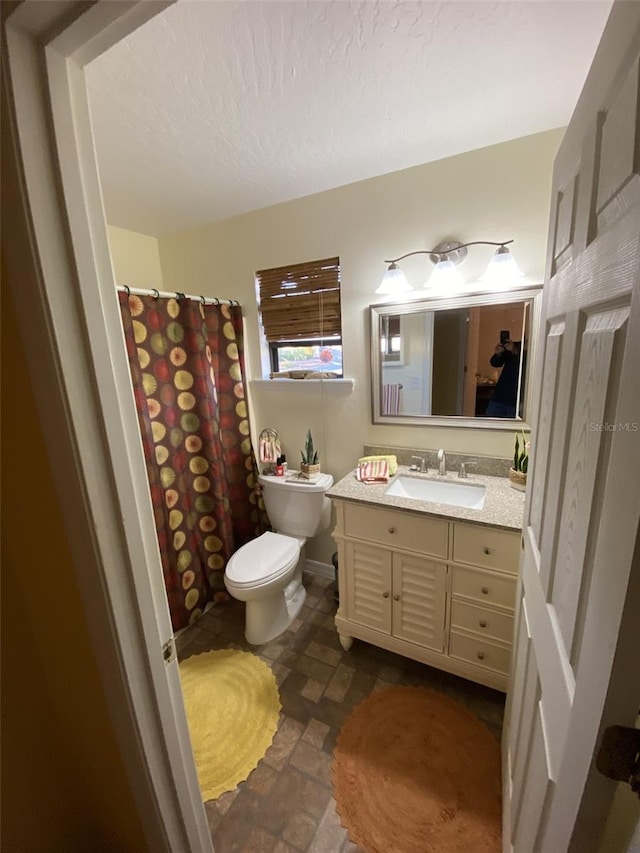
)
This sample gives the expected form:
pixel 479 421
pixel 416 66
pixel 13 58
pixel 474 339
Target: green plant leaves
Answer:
pixel 309 454
pixel 521 457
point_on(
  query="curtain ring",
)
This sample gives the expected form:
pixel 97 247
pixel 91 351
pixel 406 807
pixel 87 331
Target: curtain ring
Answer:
pixel 155 293
pixel 217 301
pixel 127 288
pixel 179 295
pixel 202 300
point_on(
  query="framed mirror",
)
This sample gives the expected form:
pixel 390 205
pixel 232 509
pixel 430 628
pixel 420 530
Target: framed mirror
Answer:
pixel 462 360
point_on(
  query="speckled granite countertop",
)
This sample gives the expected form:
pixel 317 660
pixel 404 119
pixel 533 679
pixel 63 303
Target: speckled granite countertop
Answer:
pixel 503 505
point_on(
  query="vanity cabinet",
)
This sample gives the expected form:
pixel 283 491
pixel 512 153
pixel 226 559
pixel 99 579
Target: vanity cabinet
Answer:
pixel 438 591
pixel 401 595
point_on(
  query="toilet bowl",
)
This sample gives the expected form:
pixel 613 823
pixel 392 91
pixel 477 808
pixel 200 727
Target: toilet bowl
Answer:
pixel 266 573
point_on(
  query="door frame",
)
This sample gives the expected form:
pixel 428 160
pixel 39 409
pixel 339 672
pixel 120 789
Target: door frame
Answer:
pixel 62 281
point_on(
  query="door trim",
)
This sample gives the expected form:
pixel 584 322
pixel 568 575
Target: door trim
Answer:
pixel 64 291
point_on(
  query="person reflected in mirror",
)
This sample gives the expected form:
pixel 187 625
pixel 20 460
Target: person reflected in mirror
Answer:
pixel 503 401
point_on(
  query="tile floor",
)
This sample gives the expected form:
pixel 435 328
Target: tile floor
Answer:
pixel 286 804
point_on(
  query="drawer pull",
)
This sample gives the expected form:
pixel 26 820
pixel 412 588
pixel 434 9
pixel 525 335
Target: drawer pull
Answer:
pixel 483 623
pixel 385 595
pixel 487 550
pixel 392 530
pixel 480 655
pixel 396 598
pixel 485 590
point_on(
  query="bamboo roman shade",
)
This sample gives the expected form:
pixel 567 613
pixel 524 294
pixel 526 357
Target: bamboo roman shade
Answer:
pixel 301 301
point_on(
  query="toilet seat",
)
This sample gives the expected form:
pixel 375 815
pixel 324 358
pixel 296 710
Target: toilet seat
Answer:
pixel 262 560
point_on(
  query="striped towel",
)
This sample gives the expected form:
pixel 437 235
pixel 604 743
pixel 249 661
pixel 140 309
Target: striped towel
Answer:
pixel 392 461
pixel 391 398
pixel 269 449
pixel 373 472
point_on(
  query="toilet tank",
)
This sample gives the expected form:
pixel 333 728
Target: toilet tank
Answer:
pixel 296 506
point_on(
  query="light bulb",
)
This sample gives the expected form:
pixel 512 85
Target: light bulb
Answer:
pixel 444 276
pixel 502 270
pixel 394 281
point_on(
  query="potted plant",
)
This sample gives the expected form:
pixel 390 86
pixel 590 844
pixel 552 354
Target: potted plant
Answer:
pixel 310 465
pixel 518 473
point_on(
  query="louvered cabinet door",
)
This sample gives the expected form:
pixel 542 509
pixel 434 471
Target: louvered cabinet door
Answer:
pixel 419 596
pixel 369 586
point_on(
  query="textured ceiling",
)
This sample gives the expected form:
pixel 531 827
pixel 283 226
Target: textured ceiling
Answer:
pixel 216 108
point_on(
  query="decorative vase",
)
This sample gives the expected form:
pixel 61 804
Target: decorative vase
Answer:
pixel 517 479
pixel 309 472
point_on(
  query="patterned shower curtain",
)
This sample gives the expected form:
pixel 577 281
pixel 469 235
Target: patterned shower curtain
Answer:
pixel 187 367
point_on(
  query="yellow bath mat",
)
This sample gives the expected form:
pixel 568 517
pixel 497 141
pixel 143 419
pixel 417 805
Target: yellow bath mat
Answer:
pixel 232 703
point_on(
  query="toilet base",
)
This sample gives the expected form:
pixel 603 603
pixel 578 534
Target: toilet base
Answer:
pixel 267 618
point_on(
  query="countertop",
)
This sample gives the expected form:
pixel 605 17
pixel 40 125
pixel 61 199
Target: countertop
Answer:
pixel 503 505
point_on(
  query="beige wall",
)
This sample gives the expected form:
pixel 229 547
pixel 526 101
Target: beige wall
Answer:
pixel 135 258
pixel 64 786
pixel 497 192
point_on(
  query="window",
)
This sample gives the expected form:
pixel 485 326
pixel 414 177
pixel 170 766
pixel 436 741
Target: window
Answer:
pixel 391 339
pixel 300 308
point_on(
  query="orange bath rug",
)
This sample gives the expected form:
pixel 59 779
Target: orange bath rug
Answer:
pixel 232 704
pixel 416 771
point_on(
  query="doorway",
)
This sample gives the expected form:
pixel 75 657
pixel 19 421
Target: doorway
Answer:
pixel 95 449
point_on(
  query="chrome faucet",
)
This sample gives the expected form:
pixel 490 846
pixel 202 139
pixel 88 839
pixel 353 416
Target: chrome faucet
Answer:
pixel 462 473
pixel 442 462
pixel 423 464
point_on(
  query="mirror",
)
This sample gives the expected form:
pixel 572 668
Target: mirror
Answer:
pixel 462 360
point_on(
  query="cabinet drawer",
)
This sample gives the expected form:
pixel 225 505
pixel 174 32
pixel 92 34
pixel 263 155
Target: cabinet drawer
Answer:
pixel 397 529
pixel 479 652
pixel 484 587
pixel 486 547
pixel 490 623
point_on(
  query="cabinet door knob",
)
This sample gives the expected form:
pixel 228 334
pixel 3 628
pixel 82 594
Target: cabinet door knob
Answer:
pixel 487 550
pixel 485 590
pixel 385 595
pixel 392 530
pixel 396 598
pixel 480 655
pixel 483 623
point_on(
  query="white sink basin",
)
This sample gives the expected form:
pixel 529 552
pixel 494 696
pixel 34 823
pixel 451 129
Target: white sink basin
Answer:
pixel 436 491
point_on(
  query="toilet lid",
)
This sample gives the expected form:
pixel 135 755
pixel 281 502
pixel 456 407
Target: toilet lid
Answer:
pixel 262 559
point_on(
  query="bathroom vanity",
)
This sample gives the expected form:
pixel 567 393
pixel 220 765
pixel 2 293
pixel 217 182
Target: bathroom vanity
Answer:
pixel 432 581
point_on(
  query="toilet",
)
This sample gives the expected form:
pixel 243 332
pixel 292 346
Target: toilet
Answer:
pixel 266 573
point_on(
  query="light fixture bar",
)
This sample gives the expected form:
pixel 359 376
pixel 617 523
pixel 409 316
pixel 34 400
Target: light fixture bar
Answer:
pixel 446 256
pixel 439 251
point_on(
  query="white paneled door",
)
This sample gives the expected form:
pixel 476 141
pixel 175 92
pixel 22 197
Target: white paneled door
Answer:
pixel 574 669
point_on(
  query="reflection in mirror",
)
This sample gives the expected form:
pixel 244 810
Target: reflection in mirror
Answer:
pixel 390 340
pixel 453 358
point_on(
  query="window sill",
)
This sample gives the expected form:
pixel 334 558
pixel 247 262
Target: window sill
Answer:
pixel 338 384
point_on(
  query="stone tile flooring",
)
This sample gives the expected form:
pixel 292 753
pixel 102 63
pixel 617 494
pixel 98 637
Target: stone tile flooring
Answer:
pixel 286 804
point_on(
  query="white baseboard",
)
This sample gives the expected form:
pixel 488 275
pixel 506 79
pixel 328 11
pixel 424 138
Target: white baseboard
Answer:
pixel 318 568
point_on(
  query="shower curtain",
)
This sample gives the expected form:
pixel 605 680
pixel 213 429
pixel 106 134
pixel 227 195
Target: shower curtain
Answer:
pixel 187 367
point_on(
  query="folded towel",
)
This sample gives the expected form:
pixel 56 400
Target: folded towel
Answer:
pixel 269 449
pixel 392 462
pixel 376 471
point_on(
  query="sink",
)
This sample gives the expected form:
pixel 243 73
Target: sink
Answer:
pixel 437 491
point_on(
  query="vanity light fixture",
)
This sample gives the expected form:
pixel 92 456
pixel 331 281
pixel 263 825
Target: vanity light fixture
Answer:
pixel 502 269
pixel 446 256
pixel 394 281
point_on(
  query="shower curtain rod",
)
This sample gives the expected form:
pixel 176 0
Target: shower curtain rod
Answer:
pixel 175 294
